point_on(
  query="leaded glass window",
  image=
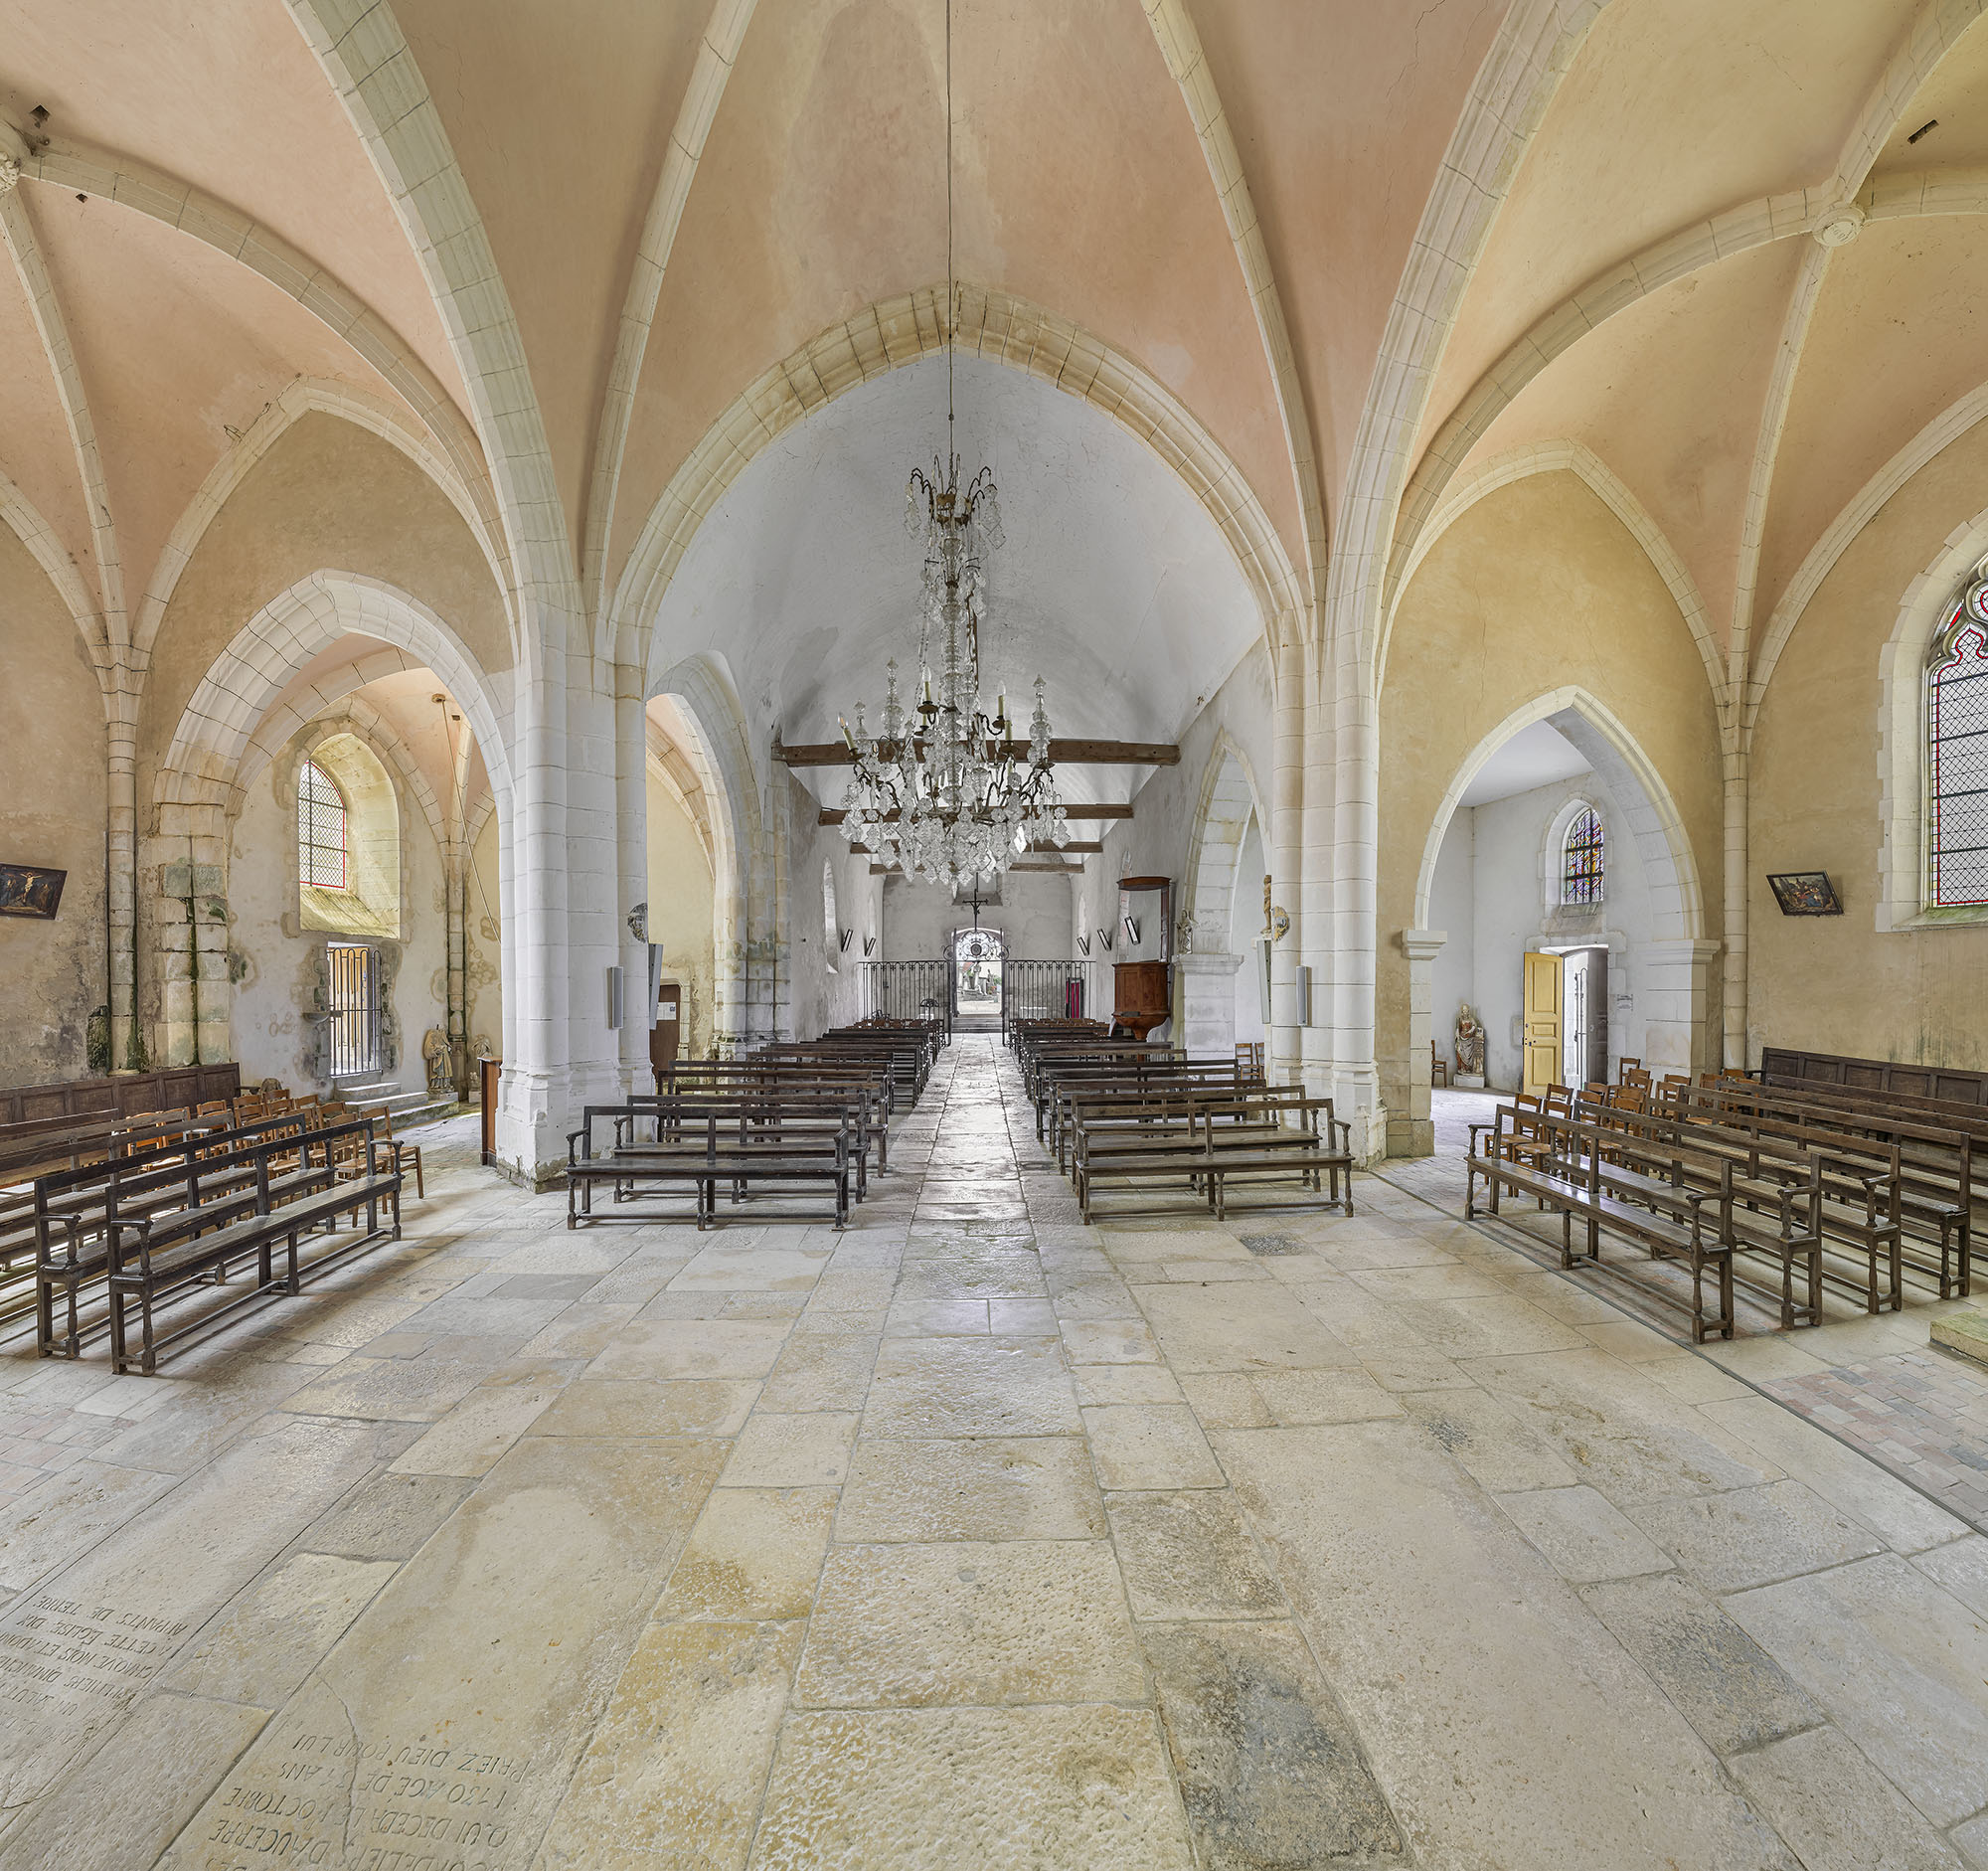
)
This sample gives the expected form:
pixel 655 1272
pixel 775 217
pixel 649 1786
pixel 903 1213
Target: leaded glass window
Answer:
pixel 1583 858
pixel 321 830
pixel 1957 765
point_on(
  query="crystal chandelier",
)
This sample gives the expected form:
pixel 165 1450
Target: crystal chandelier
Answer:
pixel 941 789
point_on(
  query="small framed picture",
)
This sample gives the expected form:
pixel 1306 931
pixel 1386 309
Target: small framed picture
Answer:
pixel 1805 893
pixel 29 890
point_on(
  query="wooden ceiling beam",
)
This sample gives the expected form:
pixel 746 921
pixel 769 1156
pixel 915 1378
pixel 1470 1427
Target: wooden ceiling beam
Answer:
pixel 1062 752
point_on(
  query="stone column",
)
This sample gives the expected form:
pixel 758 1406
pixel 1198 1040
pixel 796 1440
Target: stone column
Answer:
pixel 1283 850
pixel 533 1108
pixel 1677 979
pixel 1353 858
pixel 1208 1001
pixel 1738 789
pixel 631 825
pixel 1412 1131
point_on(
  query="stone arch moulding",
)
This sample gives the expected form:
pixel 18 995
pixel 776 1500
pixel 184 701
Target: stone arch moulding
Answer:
pixel 308 396
pixel 1572 457
pixel 1902 834
pixel 747 980
pixel 221 717
pixel 1947 426
pixel 1677 961
pixel 199 783
pixel 323 701
pixel 993 325
pixel 1206 974
pixel 24 520
pixel 1644 801
pixel 1230 798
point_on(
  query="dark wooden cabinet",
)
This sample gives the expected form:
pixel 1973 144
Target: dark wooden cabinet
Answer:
pixel 1141 997
pixel 665 1037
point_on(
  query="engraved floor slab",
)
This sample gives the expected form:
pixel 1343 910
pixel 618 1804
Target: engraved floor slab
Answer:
pixel 972 1536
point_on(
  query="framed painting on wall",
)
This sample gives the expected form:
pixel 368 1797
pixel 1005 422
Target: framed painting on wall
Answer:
pixel 30 890
pixel 1805 893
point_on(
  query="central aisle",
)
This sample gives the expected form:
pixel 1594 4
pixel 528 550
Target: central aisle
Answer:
pixel 970 1537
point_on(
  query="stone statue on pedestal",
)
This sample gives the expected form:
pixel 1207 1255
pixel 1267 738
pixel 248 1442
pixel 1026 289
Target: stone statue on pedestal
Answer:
pixel 1469 1047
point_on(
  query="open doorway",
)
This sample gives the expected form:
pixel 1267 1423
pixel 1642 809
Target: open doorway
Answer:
pixel 1584 1017
pixel 977 956
pixel 1565 998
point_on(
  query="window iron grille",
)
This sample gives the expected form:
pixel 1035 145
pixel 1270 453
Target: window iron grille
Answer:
pixel 1957 767
pixel 322 830
pixel 354 971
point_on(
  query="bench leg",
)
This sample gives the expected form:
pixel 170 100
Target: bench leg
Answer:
pixel 297 1281
pixel 118 1357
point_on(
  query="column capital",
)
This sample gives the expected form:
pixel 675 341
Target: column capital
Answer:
pixel 1422 945
pixel 1217 961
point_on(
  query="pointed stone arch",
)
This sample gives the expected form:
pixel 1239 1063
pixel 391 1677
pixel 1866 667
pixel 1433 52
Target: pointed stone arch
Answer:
pixel 1003 329
pixel 183 857
pixel 1651 814
pixel 748 946
pixel 308 396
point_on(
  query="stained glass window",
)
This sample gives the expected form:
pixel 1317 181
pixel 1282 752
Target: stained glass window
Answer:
pixel 1957 767
pixel 1580 866
pixel 321 830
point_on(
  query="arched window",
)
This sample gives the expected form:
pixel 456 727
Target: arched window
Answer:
pixel 1583 858
pixel 323 848
pixel 1956 759
pixel 830 921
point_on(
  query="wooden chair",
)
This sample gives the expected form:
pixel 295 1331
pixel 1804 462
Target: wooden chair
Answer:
pixel 1249 1059
pixel 392 1152
pixel 1439 1066
pixel 1624 1066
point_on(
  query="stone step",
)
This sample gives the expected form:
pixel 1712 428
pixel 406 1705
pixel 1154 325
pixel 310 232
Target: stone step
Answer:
pixel 1965 1335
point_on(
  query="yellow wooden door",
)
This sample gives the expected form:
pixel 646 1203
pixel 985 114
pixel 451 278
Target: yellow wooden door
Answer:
pixel 1543 1017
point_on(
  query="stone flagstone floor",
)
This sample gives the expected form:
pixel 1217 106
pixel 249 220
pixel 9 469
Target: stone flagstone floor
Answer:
pixel 970 1537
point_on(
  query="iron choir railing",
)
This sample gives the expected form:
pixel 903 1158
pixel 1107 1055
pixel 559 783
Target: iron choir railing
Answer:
pixel 1053 990
pixel 908 991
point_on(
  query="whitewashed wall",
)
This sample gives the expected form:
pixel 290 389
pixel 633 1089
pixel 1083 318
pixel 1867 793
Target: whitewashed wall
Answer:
pixel 1033 916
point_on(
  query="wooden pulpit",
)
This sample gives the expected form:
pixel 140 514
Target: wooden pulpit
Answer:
pixel 1141 997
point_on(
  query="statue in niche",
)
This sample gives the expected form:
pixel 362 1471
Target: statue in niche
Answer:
pixel 1469 1045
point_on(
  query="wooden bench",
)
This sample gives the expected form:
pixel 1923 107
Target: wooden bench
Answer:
pixel 171 1254
pixel 1944 1171
pixel 703 1146
pixel 764 1111
pixel 1200 1147
pixel 152 1229
pixel 1850 1190
pixel 1573 1173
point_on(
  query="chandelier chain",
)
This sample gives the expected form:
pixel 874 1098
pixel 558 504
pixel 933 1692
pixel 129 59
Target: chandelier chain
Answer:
pixel 940 789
